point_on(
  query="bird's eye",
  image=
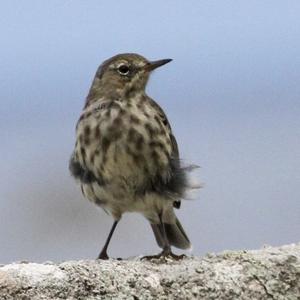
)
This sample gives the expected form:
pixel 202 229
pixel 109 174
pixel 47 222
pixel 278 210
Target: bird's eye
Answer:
pixel 123 69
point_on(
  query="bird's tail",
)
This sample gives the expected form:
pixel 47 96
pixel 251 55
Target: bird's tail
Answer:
pixel 175 234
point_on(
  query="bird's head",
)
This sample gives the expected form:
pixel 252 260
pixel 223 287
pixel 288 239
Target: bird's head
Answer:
pixel 125 73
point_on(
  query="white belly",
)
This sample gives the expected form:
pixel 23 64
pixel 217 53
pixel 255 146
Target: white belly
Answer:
pixel 116 202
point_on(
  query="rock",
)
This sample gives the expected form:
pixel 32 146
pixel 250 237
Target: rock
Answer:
pixel 269 273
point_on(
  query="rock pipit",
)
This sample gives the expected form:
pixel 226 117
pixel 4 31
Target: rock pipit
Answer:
pixel 126 158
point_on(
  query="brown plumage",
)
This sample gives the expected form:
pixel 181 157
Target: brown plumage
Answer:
pixel 126 158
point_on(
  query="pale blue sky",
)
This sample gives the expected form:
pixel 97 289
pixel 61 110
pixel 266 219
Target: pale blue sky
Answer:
pixel 231 94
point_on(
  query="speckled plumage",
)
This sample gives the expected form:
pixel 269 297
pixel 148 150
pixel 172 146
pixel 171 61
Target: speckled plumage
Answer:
pixel 126 157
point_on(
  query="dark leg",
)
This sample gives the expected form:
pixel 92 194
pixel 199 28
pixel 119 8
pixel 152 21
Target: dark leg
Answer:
pixel 166 252
pixel 167 247
pixel 103 253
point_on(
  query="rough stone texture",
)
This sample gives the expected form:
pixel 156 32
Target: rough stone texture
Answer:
pixel 270 273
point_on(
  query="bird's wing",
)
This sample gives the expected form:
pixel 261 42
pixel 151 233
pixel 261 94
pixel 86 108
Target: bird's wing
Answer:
pixel 82 172
pixel 177 182
pixel 161 114
pixel 78 167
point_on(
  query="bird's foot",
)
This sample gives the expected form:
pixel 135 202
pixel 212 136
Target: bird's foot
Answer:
pixel 165 254
pixel 103 255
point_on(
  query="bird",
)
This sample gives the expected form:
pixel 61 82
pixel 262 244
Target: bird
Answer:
pixel 126 157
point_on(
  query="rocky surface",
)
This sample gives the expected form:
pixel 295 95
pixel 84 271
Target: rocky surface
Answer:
pixel 269 273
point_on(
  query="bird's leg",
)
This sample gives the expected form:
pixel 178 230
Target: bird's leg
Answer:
pixel 103 253
pixel 167 247
pixel 166 252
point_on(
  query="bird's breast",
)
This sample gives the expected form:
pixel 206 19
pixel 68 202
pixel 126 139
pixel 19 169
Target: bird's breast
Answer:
pixel 123 141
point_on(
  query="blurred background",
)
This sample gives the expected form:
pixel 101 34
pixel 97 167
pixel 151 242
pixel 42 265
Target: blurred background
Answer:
pixel 231 94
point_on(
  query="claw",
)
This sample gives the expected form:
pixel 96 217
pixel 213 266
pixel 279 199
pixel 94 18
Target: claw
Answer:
pixel 164 254
pixel 103 256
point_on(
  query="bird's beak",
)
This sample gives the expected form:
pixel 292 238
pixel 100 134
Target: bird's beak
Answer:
pixel 157 63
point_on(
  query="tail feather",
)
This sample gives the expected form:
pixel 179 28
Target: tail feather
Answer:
pixel 175 234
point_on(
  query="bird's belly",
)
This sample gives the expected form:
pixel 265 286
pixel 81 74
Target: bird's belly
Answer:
pixel 126 164
pixel 116 201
